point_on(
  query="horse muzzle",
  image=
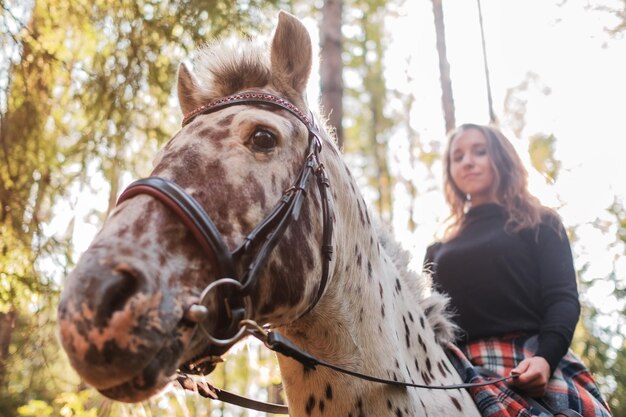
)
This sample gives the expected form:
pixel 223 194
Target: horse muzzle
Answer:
pixel 120 329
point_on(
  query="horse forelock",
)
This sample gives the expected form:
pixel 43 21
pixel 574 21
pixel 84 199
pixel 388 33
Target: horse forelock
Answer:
pixel 226 67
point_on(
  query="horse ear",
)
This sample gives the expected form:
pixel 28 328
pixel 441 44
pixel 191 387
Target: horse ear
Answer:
pixel 187 88
pixel 291 55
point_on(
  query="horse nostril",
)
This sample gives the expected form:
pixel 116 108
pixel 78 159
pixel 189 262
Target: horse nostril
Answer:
pixel 119 287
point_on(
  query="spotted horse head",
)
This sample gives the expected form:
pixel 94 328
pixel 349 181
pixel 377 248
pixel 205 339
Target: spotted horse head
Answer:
pixel 247 141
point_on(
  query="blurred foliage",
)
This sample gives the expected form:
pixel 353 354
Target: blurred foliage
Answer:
pixel 618 10
pixel 368 125
pixel 612 337
pixel 615 367
pixel 516 102
pixel 541 149
pixel 72 404
pixel 618 210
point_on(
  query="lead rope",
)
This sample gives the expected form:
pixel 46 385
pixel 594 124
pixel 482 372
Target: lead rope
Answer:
pixel 280 344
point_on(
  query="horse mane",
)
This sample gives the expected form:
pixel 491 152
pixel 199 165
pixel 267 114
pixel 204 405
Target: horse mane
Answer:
pixel 226 66
pixel 435 304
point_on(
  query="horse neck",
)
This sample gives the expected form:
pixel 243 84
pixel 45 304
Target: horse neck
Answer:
pixel 370 321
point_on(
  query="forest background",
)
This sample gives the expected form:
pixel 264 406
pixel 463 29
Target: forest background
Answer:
pixel 87 96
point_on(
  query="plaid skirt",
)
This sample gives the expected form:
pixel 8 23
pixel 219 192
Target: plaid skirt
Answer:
pixel 571 386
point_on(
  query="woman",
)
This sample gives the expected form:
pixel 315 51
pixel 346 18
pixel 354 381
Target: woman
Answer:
pixel 506 263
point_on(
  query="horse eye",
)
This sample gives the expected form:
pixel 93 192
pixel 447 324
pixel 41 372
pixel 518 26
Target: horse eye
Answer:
pixel 263 140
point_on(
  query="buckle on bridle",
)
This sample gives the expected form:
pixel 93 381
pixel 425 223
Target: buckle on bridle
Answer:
pixel 203 311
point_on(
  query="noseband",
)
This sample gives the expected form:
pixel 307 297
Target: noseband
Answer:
pixel 238 271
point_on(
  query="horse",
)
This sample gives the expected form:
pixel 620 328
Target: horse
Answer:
pixel 230 233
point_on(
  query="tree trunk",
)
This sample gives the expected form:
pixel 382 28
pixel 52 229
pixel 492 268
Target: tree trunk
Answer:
pixel 447 98
pixel 7 325
pixel 331 65
pixel 492 114
pixel 113 176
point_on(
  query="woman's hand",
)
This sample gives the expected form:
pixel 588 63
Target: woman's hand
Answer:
pixel 534 374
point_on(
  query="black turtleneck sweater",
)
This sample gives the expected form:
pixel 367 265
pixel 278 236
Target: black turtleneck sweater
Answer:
pixel 502 283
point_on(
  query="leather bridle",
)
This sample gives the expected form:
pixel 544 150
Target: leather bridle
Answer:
pixel 238 271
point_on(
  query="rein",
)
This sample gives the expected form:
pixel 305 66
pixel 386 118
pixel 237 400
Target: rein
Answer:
pixel 234 288
pixel 280 344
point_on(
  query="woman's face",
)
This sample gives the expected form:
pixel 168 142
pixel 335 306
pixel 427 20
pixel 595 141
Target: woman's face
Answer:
pixel 470 166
